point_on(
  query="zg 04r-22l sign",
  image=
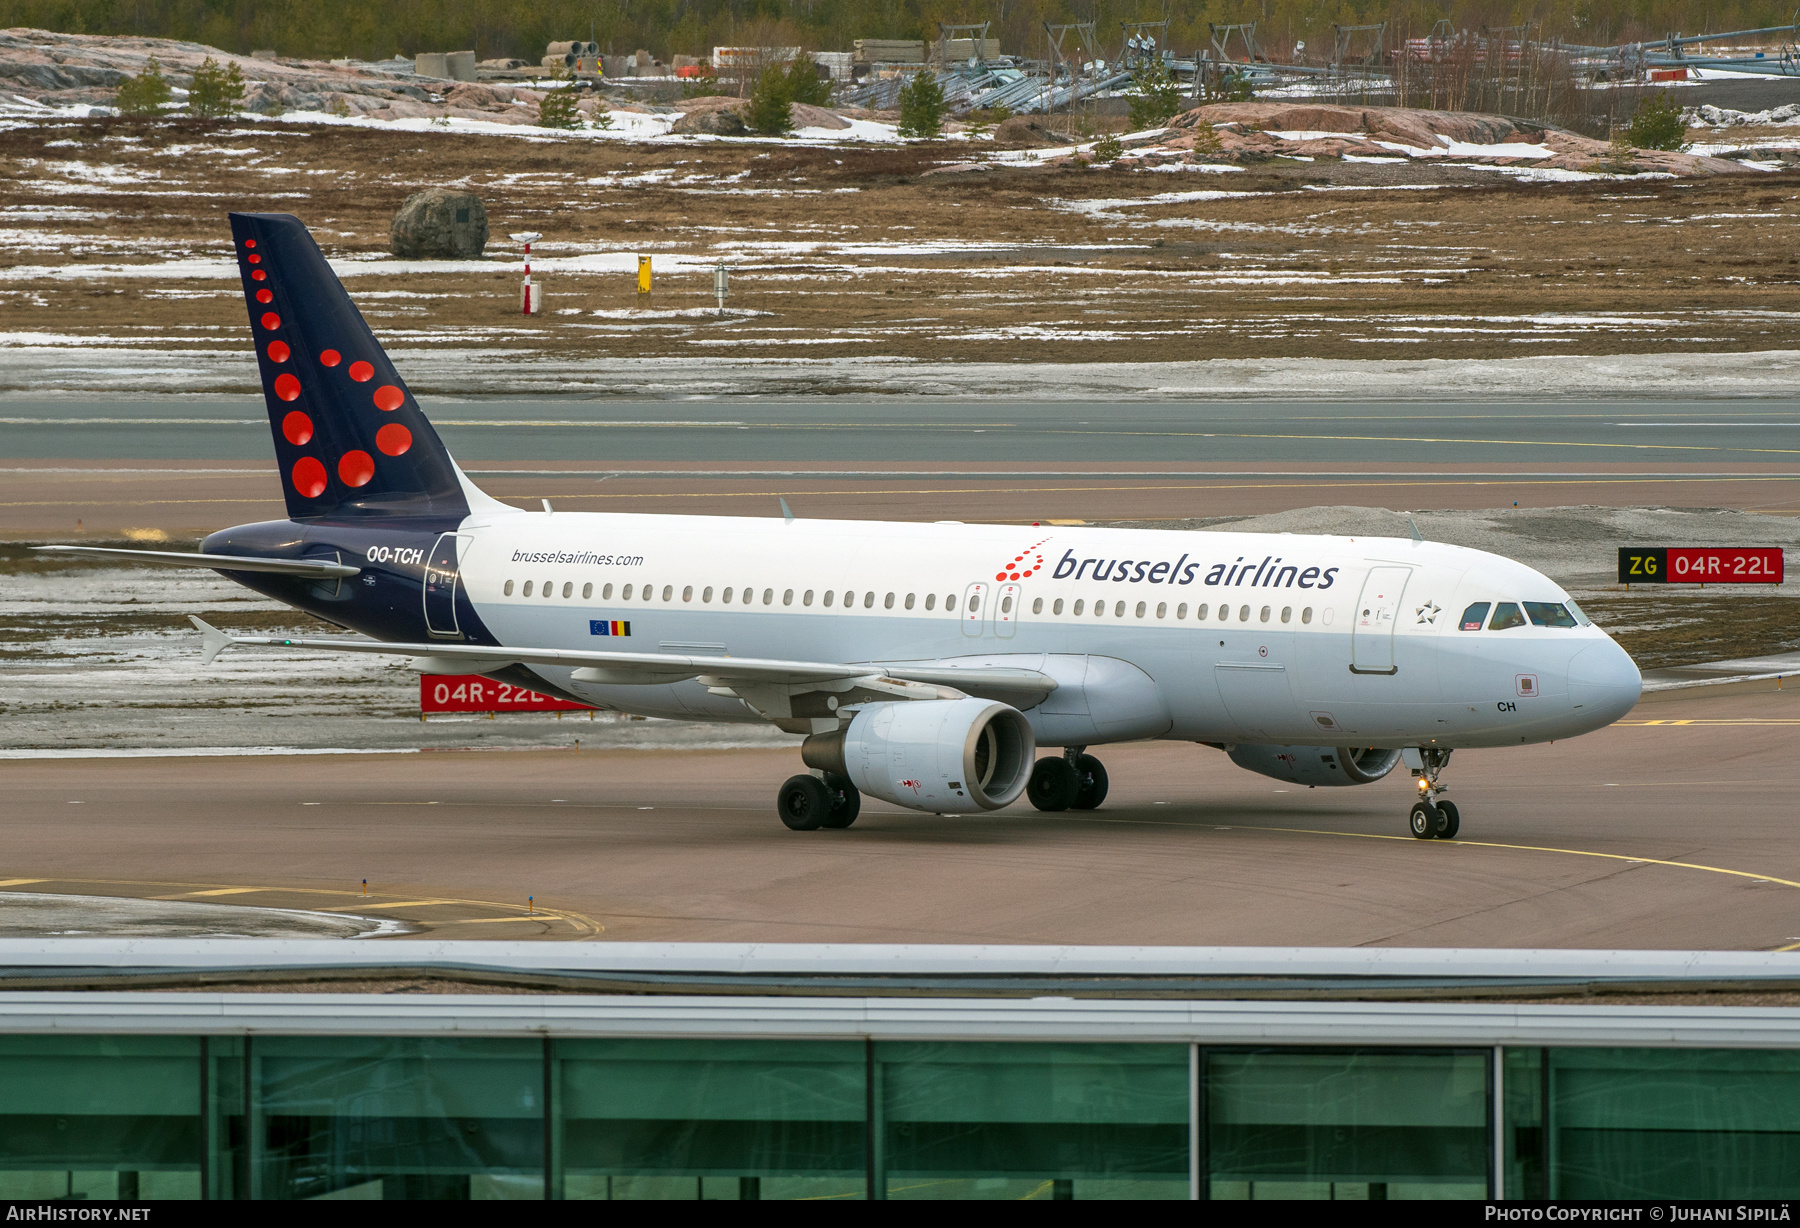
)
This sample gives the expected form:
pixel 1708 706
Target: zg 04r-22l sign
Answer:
pixel 1700 565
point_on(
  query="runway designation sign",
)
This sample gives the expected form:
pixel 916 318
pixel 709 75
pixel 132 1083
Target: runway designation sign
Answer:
pixel 473 693
pixel 1700 565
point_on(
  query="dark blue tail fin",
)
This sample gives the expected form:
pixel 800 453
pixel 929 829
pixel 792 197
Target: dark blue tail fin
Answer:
pixel 350 438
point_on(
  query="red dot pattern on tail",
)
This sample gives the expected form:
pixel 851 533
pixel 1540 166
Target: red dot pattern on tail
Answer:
pixel 265 296
pixel 361 372
pixel 330 358
pixel 393 439
pixel 356 468
pixel 389 398
pixel 296 428
pixel 287 387
pixel 271 321
pixel 278 351
pixel 309 477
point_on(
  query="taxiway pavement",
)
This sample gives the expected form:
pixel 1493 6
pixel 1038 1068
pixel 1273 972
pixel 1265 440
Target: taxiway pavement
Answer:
pixel 1672 829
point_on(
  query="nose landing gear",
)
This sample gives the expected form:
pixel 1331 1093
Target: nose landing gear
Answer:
pixel 1433 816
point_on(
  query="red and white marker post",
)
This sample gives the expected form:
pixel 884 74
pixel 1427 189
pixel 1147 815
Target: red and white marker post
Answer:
pixel 528 296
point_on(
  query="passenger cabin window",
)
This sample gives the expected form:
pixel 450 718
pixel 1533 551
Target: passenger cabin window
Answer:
pixel 549 588
pixel 869 600
pixel 587 592
pixel 606 593
pixel 706 594
pixel 1506 615
pixel 650 592
pixel 931 601
pixel 508 589
pixel 909 601
pixel 806 597
pixel 668 592
pixel 950 603
pixel 1181 611
pixel 527 589
pixel 568 589
pixel 687 593
pixel 1548 614
pixel 1306 615
pixel 624 596
pixel 1037 605
pixel 1079 605
pixel 787 597
pixel 830 596
pixel 768 596
pixel 887 603
pixel 1056 606
pixel 1475 616
pixel 1200 611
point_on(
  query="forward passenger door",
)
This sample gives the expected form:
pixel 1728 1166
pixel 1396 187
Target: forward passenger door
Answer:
pixel 1373 621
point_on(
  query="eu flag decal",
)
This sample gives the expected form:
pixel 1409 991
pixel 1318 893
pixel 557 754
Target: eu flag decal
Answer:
pixel 600 626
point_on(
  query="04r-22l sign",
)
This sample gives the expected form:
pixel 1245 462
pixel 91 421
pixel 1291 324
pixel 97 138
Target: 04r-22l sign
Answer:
pixel 1700 565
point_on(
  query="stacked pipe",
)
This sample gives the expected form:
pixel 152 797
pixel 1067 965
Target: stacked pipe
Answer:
pixel 572 56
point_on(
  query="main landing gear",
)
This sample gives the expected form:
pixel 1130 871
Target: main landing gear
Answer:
pixel 1074 780
pixel 807 803
pixel 1433 817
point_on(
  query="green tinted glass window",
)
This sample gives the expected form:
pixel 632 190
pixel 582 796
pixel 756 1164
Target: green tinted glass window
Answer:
pixel 1650 1123
pixel 396 1118
pixel 1032 1120
pixel 711 1119
pixel 1347 1125
pixel 100 1117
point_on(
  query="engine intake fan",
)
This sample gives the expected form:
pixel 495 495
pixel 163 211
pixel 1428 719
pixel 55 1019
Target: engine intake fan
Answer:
pixel 937 755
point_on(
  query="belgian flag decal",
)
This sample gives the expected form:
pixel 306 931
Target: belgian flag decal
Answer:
pixel 600 626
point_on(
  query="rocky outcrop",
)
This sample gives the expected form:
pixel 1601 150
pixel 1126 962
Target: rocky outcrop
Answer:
pixel 711 117
pixel 1028 132
pixel 1249 131
pixel 440 224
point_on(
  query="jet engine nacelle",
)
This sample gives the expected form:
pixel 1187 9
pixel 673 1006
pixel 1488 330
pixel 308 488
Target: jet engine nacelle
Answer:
pixel 1317 765
pixel 937 755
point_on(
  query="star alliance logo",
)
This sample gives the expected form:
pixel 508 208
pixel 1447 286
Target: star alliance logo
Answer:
pixel 1429 611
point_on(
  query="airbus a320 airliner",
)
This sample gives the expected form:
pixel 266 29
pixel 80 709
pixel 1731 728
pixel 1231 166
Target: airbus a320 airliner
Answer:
pixel 925 663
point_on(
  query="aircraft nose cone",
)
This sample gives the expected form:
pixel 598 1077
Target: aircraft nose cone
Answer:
pixel 1604 683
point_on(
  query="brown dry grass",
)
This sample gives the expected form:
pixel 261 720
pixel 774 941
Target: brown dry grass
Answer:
pixel 1323 259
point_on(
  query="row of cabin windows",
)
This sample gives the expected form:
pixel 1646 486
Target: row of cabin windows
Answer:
pixel 748 596
pixel 743 596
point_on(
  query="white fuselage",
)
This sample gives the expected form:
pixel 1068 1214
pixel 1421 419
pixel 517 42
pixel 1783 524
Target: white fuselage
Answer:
pixel 1201 636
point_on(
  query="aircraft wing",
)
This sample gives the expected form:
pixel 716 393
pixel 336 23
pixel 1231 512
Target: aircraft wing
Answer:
pixel 310 568
pixel 737 674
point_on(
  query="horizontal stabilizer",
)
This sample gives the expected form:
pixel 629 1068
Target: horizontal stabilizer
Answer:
pixel 213 640
pixel 312 569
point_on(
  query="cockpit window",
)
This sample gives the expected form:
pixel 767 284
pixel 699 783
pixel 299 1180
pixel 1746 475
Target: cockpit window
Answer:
pixel 1506 614
pixel 1549 614
pixel 1580 614
pixel 1475 615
